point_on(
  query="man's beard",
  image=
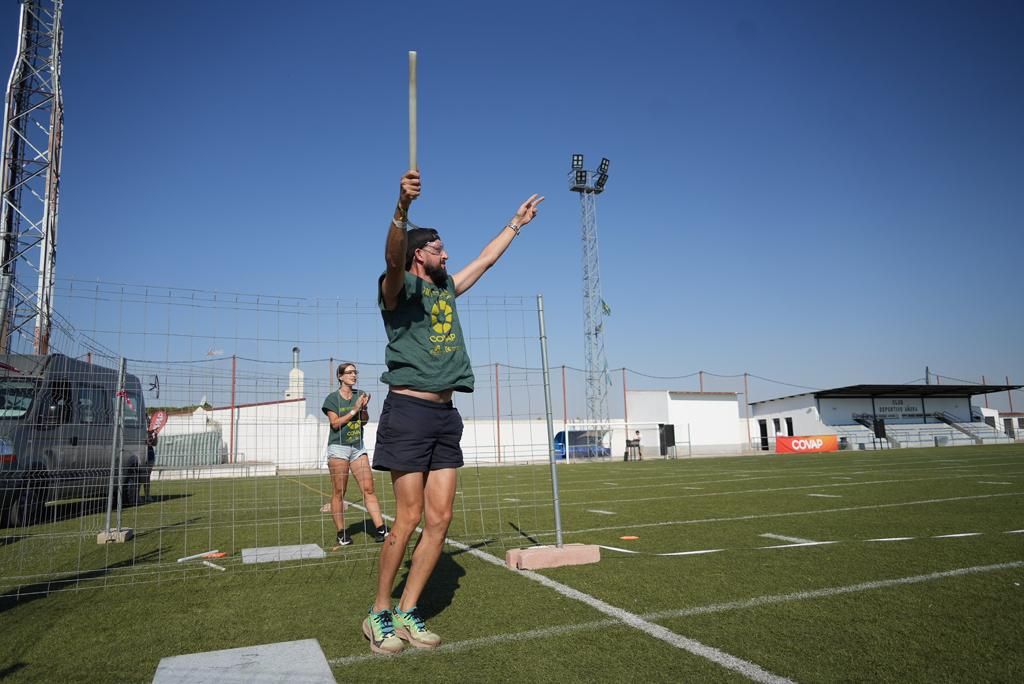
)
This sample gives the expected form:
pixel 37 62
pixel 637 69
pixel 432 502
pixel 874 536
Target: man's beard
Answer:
pixel 438 274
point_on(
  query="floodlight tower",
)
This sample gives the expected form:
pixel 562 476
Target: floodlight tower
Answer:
pixel 33 129
pixel 590 184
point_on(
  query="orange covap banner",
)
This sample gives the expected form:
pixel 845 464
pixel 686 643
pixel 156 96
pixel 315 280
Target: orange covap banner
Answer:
pixel 809 444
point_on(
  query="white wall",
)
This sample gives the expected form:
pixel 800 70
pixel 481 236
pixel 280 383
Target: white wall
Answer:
pixel 708 419
pixel 706 422
pixel 802 409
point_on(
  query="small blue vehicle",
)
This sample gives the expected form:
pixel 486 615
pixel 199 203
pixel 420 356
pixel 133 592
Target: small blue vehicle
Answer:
pixel 582 444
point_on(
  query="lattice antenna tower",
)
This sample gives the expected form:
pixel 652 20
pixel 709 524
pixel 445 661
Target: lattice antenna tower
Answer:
pixel 30 181
pixel 590 184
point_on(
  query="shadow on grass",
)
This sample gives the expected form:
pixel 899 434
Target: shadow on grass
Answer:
pixel 11 669
pixel 442 585
pixel 11 539
pixel 532 540
pixel 33 592
pixel 69 510
pixel 170 527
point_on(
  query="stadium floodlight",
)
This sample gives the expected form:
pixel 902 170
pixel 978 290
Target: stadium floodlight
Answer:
pixel 581 177
pixel 601 180
pixel 603 168
pixel 577 161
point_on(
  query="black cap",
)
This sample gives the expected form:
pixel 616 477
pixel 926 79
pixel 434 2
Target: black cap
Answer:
pixel 416 239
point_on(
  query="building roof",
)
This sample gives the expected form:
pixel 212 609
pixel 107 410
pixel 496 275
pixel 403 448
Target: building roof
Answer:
pixel 866 391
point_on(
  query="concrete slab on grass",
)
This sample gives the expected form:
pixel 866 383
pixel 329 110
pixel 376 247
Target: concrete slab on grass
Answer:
pixel 538 557
pixel 268 554
pixel 289 661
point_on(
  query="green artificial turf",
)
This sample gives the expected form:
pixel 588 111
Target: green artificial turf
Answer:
pixel 78 611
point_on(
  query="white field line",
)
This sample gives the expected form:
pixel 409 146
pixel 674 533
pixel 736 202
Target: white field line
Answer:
pixel 674 553
pixel 512 500
pixel 839 477
pixel 549 632
pixel 828 496
pixel 802 542
pixel 782 537
pixel 990 482
pixel 765 516
pixel 654 481
pixel 594 510
pixel 750 670
pixel 582 486
pixel 690 553
pixel 831 591
pixel 605 502
pixel 793 546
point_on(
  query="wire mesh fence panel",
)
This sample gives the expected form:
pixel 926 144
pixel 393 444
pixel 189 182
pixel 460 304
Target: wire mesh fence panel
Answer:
pixel 209 449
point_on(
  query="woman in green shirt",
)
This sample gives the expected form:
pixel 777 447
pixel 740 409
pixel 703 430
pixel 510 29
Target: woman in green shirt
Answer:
pixel 346 411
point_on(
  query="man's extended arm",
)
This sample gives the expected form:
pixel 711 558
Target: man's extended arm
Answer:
pixel 468 276
pixel 394 248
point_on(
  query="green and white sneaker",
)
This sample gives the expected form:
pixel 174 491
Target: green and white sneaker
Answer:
pixel 411 627
pixel 379 629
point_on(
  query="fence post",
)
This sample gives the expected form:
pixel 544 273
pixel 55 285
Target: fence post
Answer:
pixel 746 408
pixel 625 406
pixel 117 534
pixel 497 410
pixel 550 422
pixel 231 440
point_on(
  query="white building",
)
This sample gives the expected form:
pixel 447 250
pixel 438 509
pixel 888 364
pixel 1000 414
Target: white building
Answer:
pixel 701 422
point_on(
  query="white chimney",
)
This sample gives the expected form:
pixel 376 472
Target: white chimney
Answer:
pixel 296 378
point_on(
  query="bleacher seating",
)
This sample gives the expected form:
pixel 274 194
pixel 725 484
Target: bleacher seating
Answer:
pixel 920 435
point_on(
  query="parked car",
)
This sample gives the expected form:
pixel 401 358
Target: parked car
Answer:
pixel 582 444
pixel 57 429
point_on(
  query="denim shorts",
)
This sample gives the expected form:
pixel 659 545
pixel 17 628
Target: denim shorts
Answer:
pixel 344 452
pixel 417 435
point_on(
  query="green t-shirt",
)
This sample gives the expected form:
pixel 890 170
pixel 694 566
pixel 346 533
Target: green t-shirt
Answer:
pixel 426 350
pixel 351 433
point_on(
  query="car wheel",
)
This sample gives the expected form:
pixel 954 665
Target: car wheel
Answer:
pixel 20 507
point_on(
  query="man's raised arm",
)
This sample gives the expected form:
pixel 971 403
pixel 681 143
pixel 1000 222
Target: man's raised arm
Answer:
pixel 394 249
pixel 468 276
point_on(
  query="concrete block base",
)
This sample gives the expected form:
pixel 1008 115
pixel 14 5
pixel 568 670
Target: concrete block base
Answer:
pixel 115 536
pixel 538 557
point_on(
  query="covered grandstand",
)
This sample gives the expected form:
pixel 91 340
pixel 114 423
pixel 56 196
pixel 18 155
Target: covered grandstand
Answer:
pixel 882 416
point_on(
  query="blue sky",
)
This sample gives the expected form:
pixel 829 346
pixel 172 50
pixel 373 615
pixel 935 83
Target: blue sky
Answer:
pixel 823 193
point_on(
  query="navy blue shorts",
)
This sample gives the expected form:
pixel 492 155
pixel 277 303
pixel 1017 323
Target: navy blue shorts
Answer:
pixel 415 435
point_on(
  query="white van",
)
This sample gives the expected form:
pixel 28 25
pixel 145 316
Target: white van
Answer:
pixel 57 428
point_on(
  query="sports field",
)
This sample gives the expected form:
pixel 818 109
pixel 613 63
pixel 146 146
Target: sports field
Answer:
pixel 898 566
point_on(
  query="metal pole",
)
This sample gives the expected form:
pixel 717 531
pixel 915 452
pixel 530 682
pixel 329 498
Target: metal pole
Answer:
pixel 119 438
pixel 231 440
pixel 746 407
pixel 550 421
pixel 1009 393
pixel 118 427
pixel 701 375
pixel 497 409
pixel 984 395
pixel 565 407
pixel 625 406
